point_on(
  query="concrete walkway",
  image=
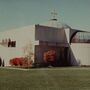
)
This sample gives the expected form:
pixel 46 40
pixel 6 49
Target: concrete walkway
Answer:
pixel 15 68
pixel 48 68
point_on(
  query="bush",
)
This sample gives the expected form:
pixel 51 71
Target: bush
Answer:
pixel 0 61
pixel 20 62
pixel 3 63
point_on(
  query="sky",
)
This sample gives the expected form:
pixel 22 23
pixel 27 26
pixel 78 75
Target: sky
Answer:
pixel 20 13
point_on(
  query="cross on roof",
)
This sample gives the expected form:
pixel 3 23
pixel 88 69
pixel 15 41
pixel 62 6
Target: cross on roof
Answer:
pixel 54 14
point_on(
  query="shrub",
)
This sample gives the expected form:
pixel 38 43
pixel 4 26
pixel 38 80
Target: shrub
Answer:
pixel 21 61
pixel 0 61
pixel 3 63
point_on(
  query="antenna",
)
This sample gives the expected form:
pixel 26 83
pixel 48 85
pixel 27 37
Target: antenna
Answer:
pixel 54 14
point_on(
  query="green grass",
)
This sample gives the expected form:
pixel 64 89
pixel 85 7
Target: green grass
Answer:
pixel 45 79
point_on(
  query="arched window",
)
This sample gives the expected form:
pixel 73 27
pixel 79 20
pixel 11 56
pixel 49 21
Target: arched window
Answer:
pixel 81 37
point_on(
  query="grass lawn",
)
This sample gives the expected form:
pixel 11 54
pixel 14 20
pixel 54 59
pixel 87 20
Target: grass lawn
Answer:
pixel 69 78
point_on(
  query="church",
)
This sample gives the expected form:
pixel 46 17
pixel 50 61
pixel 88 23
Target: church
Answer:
pixel 71 46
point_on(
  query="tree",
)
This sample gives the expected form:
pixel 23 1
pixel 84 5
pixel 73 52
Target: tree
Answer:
pixel 28 51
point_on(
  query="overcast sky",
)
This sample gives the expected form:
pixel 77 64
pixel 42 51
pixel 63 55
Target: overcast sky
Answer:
pixel 19 13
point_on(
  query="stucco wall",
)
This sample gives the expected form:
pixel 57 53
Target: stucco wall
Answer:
pixel 81 53
pixel 23 36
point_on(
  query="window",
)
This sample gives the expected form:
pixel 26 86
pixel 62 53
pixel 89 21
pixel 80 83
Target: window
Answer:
pixel 8 43
pixel 81 37
pixel 12 44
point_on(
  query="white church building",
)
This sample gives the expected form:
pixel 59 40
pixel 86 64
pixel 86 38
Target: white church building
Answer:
pixel 72 46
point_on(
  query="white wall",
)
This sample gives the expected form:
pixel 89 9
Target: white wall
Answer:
pixel 67 32
pixel 7 53
pixel 23 37
pixel 81 52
